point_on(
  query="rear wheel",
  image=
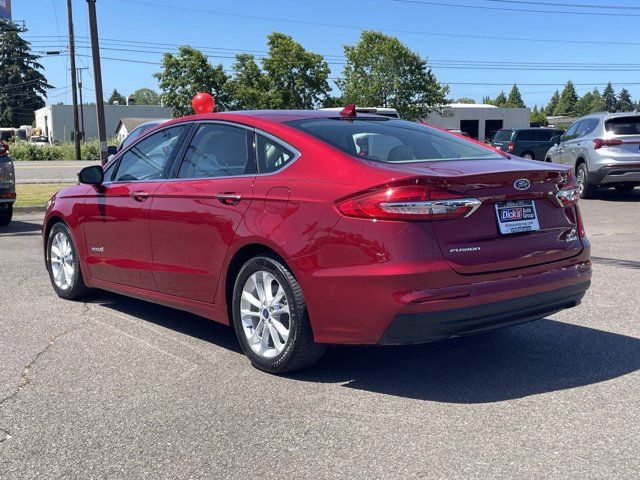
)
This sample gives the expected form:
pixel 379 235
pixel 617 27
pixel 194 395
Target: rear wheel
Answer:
pixel 270 317
pixel 529 155
pixel 63 264
pixel 6 214
pixel 587 189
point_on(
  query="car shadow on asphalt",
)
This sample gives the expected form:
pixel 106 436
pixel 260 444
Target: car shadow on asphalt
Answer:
pixel 19 228
pixel 612 195
pixel 542 356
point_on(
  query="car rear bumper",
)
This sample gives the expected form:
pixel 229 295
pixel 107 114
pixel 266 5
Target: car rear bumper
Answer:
pixel 407 328
pixel 616 174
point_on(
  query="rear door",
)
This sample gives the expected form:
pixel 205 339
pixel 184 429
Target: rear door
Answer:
pixel 195 214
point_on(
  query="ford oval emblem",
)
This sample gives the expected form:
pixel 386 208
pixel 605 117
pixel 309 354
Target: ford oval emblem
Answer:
pixel 522 184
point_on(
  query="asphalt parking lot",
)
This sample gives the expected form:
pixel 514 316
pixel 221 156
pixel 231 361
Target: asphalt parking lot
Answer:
pixel 118 388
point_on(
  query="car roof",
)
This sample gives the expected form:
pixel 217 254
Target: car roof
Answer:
pixel 278 116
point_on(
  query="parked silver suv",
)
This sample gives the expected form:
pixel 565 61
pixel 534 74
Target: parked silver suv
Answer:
pixel 604 149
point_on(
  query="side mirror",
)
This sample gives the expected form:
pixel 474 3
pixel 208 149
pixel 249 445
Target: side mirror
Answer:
pixel 93 175
pixel 112 149
pixel 555 140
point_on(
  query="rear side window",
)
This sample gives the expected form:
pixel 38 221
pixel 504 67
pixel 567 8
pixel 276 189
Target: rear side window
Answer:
pixel 271 155
pixel 503 135
pixel 393 141
pixel 218 151
pixel 623 126
pixel 526 135
pixel 544 135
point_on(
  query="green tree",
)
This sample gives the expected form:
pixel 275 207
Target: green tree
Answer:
pixel 249 87
pixel 22 86
pixel 465 100
pixel 609 97
pixel 297 78
pixel 553 103
pixel 145 96
pixel 500 100
pixel 625 103
pixel 538 117
pixel 486 100
pixel 383 72
pixel 187 73
pixel 116 98
pixel 568 99
pixel 515 99
pixel 590 102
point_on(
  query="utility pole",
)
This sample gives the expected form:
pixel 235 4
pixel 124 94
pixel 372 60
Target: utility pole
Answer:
pixel 79 69
pixel 97 76
pixel 74 93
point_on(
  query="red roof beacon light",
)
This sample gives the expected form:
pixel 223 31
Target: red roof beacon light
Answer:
pixel 349 110
pixel 203 103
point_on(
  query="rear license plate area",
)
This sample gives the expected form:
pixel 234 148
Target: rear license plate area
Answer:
pixel 517 217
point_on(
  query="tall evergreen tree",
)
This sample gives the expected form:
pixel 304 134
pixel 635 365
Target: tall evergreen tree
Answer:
pixel 609 97
pixel 568 99
pixel 553 103
pixel 515 99
pixel 22 86
pixel 500 100
pixel 116 98
pixel 590 102
pixel 625 103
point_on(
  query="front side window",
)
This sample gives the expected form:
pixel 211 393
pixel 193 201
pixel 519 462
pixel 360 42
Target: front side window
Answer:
pixel 147 159
pixel 392 141
pixel 131 137
pixel 271 155
pixel 218 151
pixel 572 132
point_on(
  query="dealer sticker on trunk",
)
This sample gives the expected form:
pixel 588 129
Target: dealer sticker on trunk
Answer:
pixel 517 217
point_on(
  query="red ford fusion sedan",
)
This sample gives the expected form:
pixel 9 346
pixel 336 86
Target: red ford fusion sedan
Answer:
pixel 308 228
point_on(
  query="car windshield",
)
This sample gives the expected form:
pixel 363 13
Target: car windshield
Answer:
pixel 624 125
pixel 503 135
pixel 393 141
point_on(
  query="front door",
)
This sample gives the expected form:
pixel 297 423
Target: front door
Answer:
pixel 194 216
pixel 116 215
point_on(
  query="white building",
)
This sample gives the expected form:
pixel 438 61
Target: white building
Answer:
pixel 56 121
pixel 479 121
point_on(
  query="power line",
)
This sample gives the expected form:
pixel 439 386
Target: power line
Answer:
pixel 388 30
pixel 572 5
pixel 511 9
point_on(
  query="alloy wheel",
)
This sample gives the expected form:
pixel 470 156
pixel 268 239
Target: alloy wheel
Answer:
pixel 265 314
pixel 62 261
pixel 581 180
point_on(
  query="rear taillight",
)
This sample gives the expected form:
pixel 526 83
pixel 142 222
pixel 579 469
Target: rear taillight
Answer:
pixel 511 146
pixel 4 149
pixel 408 202
pixel 7 174
pixel 581 231
pixel 569 193
pixel 605 142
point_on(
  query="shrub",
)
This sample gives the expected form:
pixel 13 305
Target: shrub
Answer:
pixel 89 150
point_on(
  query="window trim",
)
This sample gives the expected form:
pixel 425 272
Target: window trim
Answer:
pixel 170 161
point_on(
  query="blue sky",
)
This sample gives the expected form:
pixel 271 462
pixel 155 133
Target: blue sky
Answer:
pixel 447 35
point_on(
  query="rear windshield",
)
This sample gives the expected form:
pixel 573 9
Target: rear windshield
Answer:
pixel 502 135
pixel 393 141
pixel 623 125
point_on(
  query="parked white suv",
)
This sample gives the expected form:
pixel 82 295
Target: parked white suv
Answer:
pixel 604 149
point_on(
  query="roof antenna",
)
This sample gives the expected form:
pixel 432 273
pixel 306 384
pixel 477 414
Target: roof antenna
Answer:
pixel 349 110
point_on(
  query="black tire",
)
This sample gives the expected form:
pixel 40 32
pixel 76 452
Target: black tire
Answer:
pixel 532 156
pixel 77 287
pixel 6 214
pixel 548 160
pixel 300 351
pixel 625 187
pixel 587 189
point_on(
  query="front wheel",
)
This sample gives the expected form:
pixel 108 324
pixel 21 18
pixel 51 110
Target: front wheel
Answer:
pixel 586 189
pixel 529 155
pixel 6 214
pixel 63 264
pixel 270 317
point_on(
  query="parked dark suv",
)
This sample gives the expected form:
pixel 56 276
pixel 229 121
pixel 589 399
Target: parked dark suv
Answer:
pixel 530 143
pixel 7 186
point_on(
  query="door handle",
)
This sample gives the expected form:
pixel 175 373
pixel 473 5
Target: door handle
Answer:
pixel 139 196
pixel 229 198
